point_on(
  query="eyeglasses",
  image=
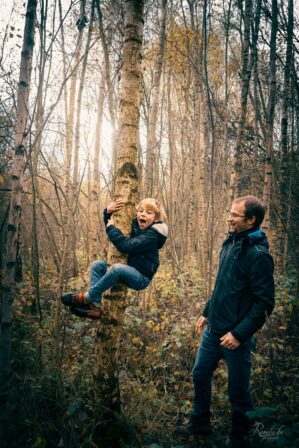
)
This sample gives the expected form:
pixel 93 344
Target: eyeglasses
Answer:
pixel 235 215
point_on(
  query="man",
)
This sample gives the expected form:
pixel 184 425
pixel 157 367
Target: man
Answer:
pixel 242 299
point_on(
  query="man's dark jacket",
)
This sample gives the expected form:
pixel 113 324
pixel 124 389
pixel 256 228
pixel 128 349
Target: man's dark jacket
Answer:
pixel 243 295
pixel 142 246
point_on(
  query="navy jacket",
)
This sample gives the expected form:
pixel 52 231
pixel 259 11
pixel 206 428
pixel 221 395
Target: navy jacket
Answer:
pixel 142 246
pixel 243 295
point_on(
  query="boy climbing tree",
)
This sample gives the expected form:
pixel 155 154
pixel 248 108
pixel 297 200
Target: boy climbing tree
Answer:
pixel 148 235
pixel 126 188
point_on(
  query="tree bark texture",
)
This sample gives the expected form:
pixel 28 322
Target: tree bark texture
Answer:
pixel 235 186
pixel 70 193
pixel 285 167
pixel 76 181
pixel 270 118
pixel 109 83
pixel 19 161
pixel 95 188
pixel 153 112
pixel 126 186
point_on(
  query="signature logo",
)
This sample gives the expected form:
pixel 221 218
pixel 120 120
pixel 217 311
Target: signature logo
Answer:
pixel 272 433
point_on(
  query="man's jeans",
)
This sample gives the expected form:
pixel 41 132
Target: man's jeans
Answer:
pixel 102 279
pixel 239 367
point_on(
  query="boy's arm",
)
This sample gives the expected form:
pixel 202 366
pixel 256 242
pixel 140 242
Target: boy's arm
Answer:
pixel 106 216
pixel 114 206
pixel 128 245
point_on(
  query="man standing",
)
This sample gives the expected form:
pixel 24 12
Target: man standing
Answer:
pixel 242 299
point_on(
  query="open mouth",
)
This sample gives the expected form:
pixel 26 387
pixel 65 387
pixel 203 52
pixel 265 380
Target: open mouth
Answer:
pixel 142 221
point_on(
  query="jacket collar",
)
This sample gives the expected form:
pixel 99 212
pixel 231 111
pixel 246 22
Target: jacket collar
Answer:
pixel 255 232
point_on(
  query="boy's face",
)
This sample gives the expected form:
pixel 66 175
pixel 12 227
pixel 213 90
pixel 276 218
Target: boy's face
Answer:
pixel 145 216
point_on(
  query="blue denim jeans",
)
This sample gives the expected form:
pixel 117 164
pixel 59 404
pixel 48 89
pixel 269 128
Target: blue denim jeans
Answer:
pixel 239 368
pixel 103 278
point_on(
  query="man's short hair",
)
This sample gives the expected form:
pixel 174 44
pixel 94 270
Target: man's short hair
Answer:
pixel 253 207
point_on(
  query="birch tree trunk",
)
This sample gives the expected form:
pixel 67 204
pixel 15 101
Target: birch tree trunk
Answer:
pixel 69 191
pixel 235 186
pixel 256 101
pixel 198 171
pixel 270 118
pixel 71 113
pixel 285 156
pixel 153 113
pixel 13 223
pixel 79 101
pixel 126 186
pixel 107 70
pixel 95 189
pixel 76 191
pixel 211 211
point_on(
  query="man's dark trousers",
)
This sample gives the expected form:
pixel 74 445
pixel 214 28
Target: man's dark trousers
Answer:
pixel 239 368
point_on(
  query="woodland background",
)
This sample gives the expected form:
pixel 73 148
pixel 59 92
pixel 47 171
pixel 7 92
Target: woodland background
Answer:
pixel 219 118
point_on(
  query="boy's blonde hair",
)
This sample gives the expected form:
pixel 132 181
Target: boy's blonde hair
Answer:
pixel 154 205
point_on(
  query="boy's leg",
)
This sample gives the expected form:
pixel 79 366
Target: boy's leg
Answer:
pixel 118 272
pixel 132 277
pixel 97 270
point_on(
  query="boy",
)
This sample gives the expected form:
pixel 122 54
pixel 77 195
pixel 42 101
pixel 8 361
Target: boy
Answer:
pixel 149 234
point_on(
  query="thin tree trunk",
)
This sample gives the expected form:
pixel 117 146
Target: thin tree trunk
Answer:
pixel 71 112
pixel 95 189
pixel 172 158
pixel 211 216
pixel 36 148
pixel 79 100
pixel 111 101
pixel 69 191
pixel 270 118
pixel 285 168
pixel 226 94
pixel 77 137
pixel 199 156
pixel 154 104
pixel 22 119
pixel 65 97
pixel 235 186
pixel 256 102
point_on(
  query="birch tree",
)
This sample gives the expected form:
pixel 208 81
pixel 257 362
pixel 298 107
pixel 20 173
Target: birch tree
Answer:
pixel 285 174
pixel 126 187
pixel 270 118
pixel 95 189
pixel 153 112
pixel 17 179
pixel 246 73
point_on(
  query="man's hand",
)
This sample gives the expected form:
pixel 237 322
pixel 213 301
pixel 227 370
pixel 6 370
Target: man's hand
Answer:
pixel 229 341
pixel 201 323
pixel 116 205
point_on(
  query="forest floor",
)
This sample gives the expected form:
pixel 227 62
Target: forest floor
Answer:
pixel 54 405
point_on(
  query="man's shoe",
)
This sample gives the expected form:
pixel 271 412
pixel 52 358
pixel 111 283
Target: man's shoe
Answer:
pixel 200 425
pixel 200 429
pixel 241 424
pixel 89 311
pixel 238 441
pixel 73 299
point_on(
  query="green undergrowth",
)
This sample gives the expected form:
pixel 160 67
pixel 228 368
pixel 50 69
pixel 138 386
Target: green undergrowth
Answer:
pixel 53 399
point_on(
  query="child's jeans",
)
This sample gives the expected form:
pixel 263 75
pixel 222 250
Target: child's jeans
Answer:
pixel 102 279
